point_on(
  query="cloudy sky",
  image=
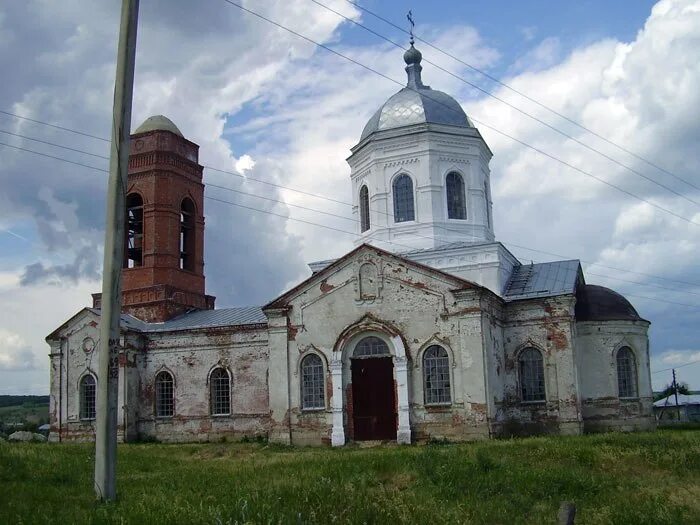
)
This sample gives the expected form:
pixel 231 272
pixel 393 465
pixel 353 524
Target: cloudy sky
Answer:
pixel 270 106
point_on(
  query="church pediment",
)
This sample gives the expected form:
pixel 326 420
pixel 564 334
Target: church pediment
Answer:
pixel 85 317
pixel 364 272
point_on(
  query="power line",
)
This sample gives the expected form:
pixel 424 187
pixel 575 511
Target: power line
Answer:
pixel 512 106
pixel 53 144
pixel 55 158
pixel 653 299
pixel 348 218
pixel 538 150
pixel 527 97
pixel 590 263
pixel 677 366
pixel 294 218
pixel 220 200
pixel 54 126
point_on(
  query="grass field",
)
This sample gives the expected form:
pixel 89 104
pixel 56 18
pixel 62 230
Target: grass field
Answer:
pixel 613 478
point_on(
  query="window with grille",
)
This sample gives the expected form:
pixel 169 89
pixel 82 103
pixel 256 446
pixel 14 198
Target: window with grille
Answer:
pixel 456 199
pixel 364 209
pixel 88 387
pixel 626 373
pixel 531 375
pixel 133 255
pixel 371 346
pixel 403 199
pixel 165 390
pixel 436 375
pixel 312 384
pixel 220 392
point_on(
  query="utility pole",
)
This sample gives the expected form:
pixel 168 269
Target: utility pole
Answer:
pixel 675 393
pixel 108 357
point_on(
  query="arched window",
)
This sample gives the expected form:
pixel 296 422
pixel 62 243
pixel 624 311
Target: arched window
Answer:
pixel 88 387
pixel 371 346
pixel 165 395
pixel 220 392
pixel 456 198
pixel 626 373
pixel 403 199
pixel 187 235
pixel 133 255
pixel 436 375
pixel 531 370
pixel 364 209
pixel 312 385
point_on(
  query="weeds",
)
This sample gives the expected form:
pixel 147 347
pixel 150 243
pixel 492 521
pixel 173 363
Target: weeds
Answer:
pixel 612 478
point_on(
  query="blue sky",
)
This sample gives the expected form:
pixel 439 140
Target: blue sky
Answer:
pixel 276 108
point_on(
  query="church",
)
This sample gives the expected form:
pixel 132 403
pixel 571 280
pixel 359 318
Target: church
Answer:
pixel 429 329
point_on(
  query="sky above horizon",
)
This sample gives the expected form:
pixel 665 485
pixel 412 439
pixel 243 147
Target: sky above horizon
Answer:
pixel 269 105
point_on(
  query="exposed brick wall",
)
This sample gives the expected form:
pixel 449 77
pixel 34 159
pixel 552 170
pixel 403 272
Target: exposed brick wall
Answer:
pixel 164 170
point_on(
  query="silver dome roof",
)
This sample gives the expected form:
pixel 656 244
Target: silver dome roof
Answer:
pixel 416 104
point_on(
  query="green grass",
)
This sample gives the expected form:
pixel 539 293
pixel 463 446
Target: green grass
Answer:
pixel 612 478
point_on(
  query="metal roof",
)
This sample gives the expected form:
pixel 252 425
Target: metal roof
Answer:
pixel 416 104
pixel 598 303
pixel 529 281
pixel 241 316
pixel 683 399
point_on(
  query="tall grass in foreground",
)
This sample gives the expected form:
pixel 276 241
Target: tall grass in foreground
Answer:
pixel 613 478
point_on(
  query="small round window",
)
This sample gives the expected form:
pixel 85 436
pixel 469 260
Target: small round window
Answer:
pixel 88 345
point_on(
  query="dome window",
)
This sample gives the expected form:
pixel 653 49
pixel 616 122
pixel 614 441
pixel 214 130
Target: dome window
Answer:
pixel 364 209
pixel 403 199
pixel 456 200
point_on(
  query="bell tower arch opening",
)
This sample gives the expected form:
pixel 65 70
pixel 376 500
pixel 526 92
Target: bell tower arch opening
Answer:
pixel 133 254
pixel 187 233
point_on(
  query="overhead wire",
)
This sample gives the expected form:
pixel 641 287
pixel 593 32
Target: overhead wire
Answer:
pixel 319 196
pixel 677 366
pixel 483 124
pixel 524 95
pixel 340 230
pixel 514 107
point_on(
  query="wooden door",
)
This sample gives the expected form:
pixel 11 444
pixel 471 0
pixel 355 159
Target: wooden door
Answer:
pixel 373 399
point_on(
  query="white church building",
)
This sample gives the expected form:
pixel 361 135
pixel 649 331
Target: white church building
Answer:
pixel 429 329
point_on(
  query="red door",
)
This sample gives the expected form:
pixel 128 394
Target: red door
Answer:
pixel 374 407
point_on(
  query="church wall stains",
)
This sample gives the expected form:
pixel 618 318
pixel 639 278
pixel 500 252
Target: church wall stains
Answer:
pixel 403 302
pixel 596 345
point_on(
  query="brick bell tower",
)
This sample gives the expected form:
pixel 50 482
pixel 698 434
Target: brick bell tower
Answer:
pixel 163 270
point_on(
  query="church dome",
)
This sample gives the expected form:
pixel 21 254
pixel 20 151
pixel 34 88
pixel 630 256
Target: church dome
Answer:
pixel 416 104
pixel 158 123
pixel 597 303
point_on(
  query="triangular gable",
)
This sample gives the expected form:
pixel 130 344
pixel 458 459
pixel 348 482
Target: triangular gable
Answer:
pixel 56 334
pixel 282 300
pixel 126 323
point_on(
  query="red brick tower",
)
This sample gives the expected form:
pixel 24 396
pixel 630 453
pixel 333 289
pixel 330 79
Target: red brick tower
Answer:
pixel 163 273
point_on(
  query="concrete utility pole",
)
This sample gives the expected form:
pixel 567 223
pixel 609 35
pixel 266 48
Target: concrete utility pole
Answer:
pixel 108 357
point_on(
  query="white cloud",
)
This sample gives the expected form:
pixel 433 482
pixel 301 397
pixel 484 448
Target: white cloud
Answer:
pixel 14 352
pixel 263 102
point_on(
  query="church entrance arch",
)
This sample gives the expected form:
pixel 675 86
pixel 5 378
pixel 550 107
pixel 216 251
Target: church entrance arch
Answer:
pixel 374 399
